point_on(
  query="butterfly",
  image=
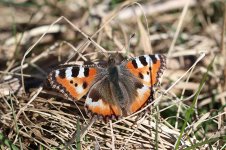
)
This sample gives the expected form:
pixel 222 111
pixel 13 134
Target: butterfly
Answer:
pixel 114 90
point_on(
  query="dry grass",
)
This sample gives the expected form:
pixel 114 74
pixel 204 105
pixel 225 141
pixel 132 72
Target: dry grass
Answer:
pixel 189 109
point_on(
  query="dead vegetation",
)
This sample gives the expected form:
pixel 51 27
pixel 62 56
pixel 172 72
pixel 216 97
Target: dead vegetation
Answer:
pixel 189 109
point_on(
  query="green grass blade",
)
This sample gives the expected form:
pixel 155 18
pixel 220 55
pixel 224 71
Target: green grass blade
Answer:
pixel 190 110
pixel 78 142
pixel 205 142
pixel 9 144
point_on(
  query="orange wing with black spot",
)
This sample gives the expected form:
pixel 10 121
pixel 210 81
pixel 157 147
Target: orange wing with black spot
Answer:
pixel 73 81
pixel 147 69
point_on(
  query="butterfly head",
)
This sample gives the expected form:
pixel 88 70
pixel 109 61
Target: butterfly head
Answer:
pixel 115 59
pixel 111 60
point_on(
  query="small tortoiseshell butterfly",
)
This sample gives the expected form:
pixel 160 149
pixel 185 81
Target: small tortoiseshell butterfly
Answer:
pixel 114 90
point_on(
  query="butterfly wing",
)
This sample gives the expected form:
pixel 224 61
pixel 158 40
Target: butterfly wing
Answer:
pixel 147 69
pixel 73 81
pixel 100 100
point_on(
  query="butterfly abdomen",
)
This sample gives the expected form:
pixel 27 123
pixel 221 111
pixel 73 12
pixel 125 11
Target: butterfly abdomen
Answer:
pixel 114 80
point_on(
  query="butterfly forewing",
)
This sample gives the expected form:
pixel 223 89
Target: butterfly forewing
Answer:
pixel 147 69
pixel 73 81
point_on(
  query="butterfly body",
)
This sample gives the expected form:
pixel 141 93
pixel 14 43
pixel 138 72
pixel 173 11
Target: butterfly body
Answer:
pixel 114 90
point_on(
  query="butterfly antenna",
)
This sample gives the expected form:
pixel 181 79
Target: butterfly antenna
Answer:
pixel 102 50
pixel 128 47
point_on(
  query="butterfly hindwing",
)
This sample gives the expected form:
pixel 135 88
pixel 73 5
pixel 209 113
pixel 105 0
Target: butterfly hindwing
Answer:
pixel 143 95
pixel 100 102
pixel 73 81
